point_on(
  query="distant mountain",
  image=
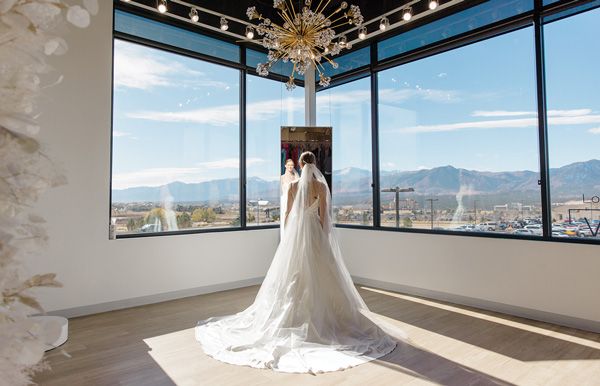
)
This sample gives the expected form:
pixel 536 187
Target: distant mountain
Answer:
pixel 354 185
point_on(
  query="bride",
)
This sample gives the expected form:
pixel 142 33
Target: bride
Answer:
pixel 307 316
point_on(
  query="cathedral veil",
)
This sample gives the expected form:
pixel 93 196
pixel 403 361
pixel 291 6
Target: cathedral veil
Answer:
pixel 308 316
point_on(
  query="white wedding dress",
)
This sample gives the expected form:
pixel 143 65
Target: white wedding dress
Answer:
pixel 307 316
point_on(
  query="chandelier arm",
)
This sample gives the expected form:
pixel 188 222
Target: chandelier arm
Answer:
pixel 291 7
pixel 319 9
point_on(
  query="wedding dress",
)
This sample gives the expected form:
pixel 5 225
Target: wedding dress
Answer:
pixel 307 316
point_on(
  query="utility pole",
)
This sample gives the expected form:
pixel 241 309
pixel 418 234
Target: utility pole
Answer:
pixel 431 200
pixel 398 190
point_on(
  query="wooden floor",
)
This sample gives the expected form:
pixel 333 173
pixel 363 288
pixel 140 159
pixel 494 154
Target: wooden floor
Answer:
pixel 449 345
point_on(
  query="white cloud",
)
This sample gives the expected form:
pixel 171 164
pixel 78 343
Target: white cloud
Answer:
pixel 501 123
pixel 117 133
pixel 135 67
pixel 551 113
pixel 501 113
pixel 594 130
pixel 204 171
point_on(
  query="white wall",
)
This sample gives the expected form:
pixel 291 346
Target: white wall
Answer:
pixel 76 124
pixel 551 277
pixel 558 278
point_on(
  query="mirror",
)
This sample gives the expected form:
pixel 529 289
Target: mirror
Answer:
pixel 297 139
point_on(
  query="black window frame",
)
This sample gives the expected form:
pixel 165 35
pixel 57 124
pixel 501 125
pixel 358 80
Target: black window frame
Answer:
pixel 535 17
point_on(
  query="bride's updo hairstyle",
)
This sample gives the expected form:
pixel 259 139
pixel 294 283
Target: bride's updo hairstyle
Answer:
pixel 307 158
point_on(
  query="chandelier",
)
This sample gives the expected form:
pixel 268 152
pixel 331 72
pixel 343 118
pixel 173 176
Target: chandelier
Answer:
pixel 305 38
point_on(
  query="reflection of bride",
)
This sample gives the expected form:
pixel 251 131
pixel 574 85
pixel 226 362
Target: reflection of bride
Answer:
pixel 307 316
pixel 285 180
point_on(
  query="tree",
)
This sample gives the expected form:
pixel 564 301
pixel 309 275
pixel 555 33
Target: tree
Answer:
pixel 407 222
pixel 250 217
pixel 131 225
pixel 184 220
pixel 204 215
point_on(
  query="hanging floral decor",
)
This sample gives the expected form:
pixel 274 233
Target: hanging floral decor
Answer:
pixel 29 33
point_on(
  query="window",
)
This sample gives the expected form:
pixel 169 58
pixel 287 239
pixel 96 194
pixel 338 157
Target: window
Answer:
pixel 177 37
pixel 347 108
pixel 572 82
pixel 470 19
pixel 348 62
pixel 460 129
pixel 268 107
pixel 175 142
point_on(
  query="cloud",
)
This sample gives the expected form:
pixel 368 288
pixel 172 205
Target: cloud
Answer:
pixel 594 130
pixel 117 133
pixel 136 67
pixel 501 123
pixel 204 171
pixel 550 113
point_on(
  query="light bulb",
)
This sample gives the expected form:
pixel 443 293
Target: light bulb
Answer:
pixel 407 14
pixel 249 32
pixel 194 15
pixel 224 24
pixel 433 4
pixel 162 6
pixel 343 40
pixel 384 23
pixel 362 33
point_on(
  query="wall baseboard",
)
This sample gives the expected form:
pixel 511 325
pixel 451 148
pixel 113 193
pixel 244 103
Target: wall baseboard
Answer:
pixel 150 299
pixel 543 316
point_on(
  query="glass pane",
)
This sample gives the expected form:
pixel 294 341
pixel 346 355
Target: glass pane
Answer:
pixel 572 83
pixel 268 107
pixel 175 142
pixel 253 58
pixel 347 108
pixel 177 37
pixel 349 62
pixel 460 128
pixel 472 18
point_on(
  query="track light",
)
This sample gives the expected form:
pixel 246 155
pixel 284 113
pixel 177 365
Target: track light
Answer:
pixel 433 4
pixel 249 32
pixel 407 13
pixel 343 41
pixel 224 24
pixel 384 23
pixel 162 6
pixel 362 33
pixel 194 15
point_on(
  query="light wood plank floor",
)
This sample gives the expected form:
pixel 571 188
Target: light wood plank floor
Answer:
pixel 448 345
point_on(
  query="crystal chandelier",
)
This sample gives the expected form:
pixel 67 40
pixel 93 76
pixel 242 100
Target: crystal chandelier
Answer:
pixel 305 38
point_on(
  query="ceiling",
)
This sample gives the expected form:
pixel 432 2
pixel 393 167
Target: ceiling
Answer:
pixel 371 9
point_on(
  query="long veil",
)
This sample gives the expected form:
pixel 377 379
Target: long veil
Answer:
pixel 307 315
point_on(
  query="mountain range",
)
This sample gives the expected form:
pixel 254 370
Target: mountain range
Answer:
pixel 354 185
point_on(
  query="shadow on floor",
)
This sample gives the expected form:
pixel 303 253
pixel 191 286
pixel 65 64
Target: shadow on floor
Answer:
pixel 513 342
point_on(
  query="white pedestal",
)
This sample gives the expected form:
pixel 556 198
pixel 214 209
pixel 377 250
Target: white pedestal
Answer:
pixel 50 323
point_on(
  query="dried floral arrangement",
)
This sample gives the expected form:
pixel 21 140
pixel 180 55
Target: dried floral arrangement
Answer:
pixel 29 33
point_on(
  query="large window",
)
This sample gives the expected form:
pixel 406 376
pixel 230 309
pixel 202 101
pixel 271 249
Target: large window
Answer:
pixel 268 107
pixel 572 81
pixel 347 108
pixel 175 142
pixel 459 140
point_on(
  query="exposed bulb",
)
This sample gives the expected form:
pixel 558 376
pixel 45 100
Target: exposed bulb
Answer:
pixel 162 6
pixel 249 32
pixel 194 15
pixel 224 24
pixel 362 33
pixel 433 4
pixel 407 14
pixel 384 23
pixel 343 41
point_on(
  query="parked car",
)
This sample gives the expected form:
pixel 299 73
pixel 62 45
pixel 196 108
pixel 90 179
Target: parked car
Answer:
pixel 535 228
pixel 150 228
pixel 524 232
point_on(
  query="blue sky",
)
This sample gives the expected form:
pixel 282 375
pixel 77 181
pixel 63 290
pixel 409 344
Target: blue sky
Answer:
pixel 177 118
